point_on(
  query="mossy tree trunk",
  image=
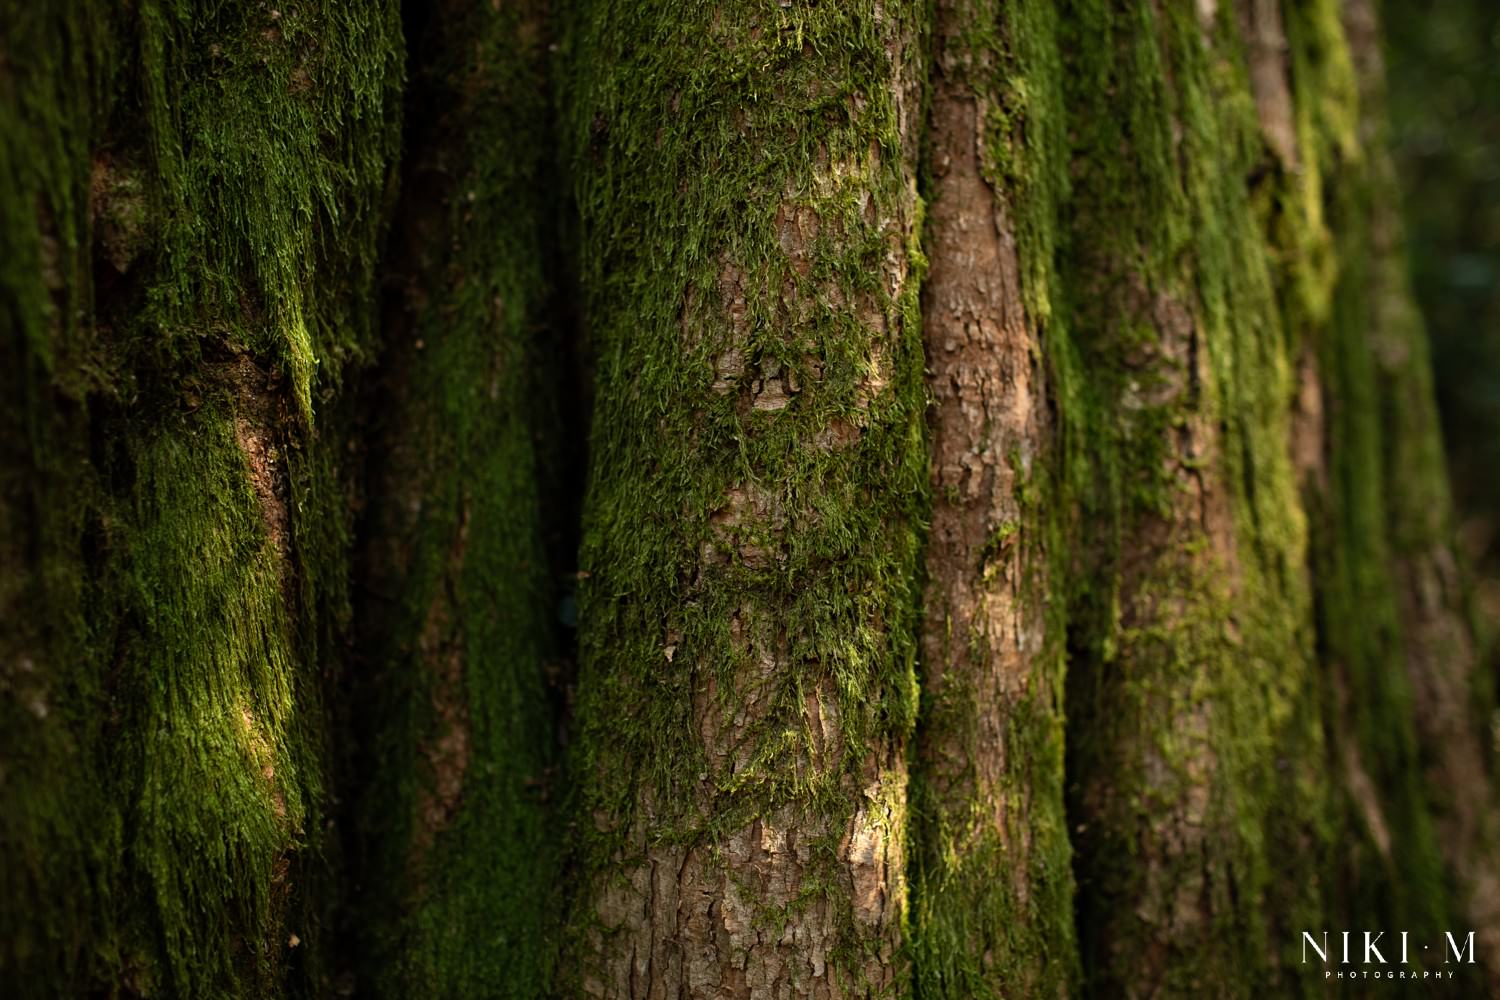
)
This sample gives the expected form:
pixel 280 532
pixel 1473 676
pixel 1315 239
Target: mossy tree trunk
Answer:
pixel 1193 717
pixel 459 876
pixel 193 196
pixel 1451 696
pixel 746 180
pixel 992 866
pixel 1016 557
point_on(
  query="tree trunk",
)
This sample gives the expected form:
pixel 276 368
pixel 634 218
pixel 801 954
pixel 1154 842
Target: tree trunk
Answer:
pixel 1193 730
pixel 459 878
pixel 1450 698
pixel 746 183
pixel 192 199
pixel 992 876
pixel 1016 555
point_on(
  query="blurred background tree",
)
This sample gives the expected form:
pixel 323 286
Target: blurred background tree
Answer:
pixel 1444 71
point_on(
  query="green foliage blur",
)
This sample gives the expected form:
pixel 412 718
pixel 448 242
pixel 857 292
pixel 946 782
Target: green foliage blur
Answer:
pixel 1443 73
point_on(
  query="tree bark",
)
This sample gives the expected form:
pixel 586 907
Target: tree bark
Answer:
pixel 1450 698
pixel 1011 431
pixel 193 200
pixel 1190 733
pixel 992 868
pixel 746 183
pixel 460 873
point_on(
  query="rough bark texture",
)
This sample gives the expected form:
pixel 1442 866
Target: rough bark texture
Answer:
pixel 1386 868
pixel 460 864
pixel 992 882
pixel 746 180
pixel 1176 435
pixel 192 199
pixel 1193 726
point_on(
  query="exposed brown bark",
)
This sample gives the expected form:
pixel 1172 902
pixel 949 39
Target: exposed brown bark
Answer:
pixel 984 606
pixel 1265 42
pixel 1113 482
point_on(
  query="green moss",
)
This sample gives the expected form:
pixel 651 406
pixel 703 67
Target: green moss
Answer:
pixel 689 132
pixel 1385 496
pixel 989 921
pixel 192 204
pixel 221 780
pixel 61 833
pixel 1192 667
pixel 277 121
pixel 463 884
pixel 976 934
